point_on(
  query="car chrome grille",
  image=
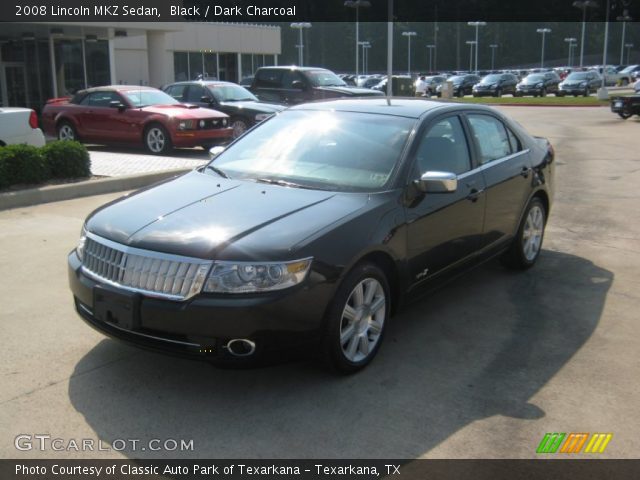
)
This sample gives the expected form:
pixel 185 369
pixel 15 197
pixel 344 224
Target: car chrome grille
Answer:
pixel 152 273
pixel 211 123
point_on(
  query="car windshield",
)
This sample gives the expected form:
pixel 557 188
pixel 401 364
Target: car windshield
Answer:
pixel 324 78
pixel 534 78
pixel 456 79
pixel 629 69
pixel 142 98
pixel 490 79
pixel 230 93
pixel 577 76
pixel 326 150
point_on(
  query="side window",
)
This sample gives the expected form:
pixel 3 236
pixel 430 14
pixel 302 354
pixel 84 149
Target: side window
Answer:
pixel 177 92
pixel 491 136
pixel 516 146
pixel 195 93
pixel 444 148
pixel 102 99
pixel 269 79
pixel 289 77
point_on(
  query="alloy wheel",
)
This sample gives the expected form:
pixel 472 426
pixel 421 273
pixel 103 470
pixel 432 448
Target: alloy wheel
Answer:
pixel 532 233
pixel 239 127
pixel 362 320
pixel 156 140
pixel 65 132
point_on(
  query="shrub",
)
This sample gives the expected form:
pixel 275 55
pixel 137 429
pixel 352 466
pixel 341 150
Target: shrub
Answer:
pixel 67 159
pixel 21 164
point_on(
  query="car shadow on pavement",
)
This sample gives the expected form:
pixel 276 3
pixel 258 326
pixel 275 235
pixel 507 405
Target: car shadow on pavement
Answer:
pixel 479 347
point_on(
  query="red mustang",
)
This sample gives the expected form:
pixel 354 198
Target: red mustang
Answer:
pixel 124 114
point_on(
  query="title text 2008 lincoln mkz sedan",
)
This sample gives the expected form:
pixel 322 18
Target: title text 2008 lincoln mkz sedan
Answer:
pixel 314 228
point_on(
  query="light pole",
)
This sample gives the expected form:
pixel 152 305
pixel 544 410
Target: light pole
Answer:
pixel 624 18
pixel 430 48
pixel 493 47
pixel 583 5
pixel 357 4
pixel 572 43
pixel 628 46
pixel 476 24
pixel 409 35
pixel 300 26
pixel 389 47
pixel 602 94
pixel 543 31
pixel 471 43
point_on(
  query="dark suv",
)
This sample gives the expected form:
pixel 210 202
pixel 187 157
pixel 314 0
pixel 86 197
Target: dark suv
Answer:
pixel 496 84
pixel 293 85
pixel 538 84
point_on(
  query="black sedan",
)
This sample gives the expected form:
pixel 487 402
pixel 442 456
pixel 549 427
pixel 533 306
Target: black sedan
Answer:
pixel 239 103
pixel 496 85
pixel 462 85
pixel 313 229
pixel 538 84
pixel 580 83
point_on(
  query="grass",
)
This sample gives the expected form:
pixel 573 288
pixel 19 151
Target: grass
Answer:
pixel 542 101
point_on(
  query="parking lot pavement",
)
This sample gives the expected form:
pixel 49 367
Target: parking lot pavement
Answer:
pixel 482 369
pixel 113 161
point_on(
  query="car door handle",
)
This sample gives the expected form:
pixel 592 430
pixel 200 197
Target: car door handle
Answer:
pixel 474 194
pixel 525 172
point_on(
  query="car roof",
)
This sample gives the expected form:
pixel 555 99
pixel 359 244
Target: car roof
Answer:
pixel 292 67
pixel 115 88
pixel 204 82
pixel 400 107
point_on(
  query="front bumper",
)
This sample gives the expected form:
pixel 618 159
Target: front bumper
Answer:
pixel 572 90
pixel 484 92
pixel 203 325
pixel 194 138
pixel 528 91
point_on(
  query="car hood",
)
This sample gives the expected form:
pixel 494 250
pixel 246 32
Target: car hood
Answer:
pixel 351 91
pixel 183 110
pixel 253 106
pixel 205 216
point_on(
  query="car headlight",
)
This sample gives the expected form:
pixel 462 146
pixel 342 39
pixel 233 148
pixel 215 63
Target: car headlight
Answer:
pixel 186 124
pixel 583 84
pixel 225 121
pixel 246 277
pixel 539 85
pixel 262 116
pixel 81 244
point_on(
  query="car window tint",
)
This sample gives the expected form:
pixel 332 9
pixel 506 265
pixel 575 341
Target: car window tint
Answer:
pixel 491 137
pixel 444 148
pixel 178 92
pixel 102 99
pixel 195 93
pixel 268 78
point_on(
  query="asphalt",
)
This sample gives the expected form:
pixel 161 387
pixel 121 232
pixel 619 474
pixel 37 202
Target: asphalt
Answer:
pixel 482 369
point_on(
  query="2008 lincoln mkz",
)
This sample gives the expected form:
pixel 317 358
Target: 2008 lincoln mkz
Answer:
pixel 314 228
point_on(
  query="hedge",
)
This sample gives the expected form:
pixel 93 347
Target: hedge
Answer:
pixel 24 164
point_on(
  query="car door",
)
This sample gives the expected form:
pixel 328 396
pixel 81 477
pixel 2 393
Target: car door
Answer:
pixel 295 88
pixel 506 167
pixel 194 95
pixel 443 228
pixel 96 118
pixel 267 85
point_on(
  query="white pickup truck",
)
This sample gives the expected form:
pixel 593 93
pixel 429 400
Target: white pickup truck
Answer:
pixel 19 126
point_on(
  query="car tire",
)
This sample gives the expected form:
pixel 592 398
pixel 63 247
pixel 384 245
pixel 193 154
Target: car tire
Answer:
pixel 239 126
pixel 157 139
pixel 624 82
pixel 356 319
pixel 66 131
pixel 527 244
pixel 625 113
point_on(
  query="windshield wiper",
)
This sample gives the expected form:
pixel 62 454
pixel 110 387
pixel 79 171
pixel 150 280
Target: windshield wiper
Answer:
pixel 217 170
pixel 282 183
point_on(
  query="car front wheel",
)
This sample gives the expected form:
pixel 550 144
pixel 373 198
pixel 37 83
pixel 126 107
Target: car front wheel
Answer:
pixel 526 246
pixel 357 318
pixel 157 140
pixel 625 113
pixel 239 127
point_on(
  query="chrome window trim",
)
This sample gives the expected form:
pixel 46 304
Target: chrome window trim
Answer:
pixel 492 163
pixel 148 254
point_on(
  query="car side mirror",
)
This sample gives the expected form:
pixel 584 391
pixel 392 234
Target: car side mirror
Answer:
pixel 215 151
pixel 438 182
pixel 297 85
pixel 206 99
pixel 117 104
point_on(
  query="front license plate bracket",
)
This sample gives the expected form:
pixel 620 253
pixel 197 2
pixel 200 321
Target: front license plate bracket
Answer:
pixel 120 309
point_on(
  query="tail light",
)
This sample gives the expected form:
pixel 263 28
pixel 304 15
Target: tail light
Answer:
pixel 33 120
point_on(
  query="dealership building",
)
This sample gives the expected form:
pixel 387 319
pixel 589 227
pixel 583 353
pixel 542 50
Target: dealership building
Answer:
pixel 39 61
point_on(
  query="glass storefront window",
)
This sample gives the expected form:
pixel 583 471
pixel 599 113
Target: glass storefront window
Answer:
pixel 195 65
pixel 210 65
pixel 181 66
pixel 229 67
pixel 69 68
pixel 247 64
pixel 97 62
